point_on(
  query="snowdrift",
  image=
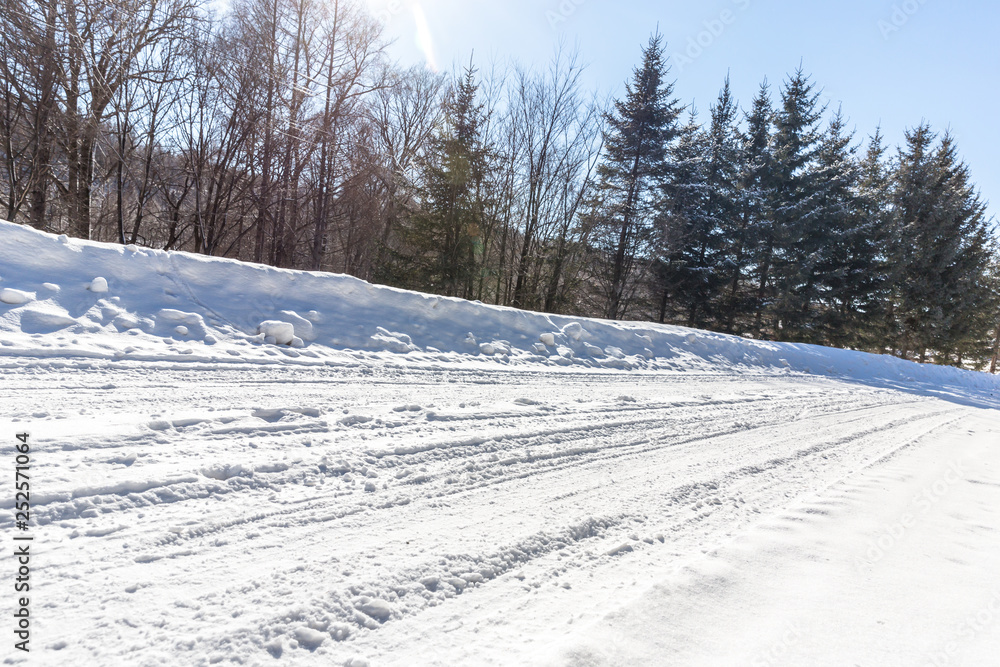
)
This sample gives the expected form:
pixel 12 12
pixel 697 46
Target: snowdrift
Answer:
pixel 62 297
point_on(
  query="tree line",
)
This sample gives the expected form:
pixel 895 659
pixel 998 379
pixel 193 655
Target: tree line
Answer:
pixel 279 132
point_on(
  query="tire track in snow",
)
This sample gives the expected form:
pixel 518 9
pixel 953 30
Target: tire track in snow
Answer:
pixel 435 574
pixel 343 541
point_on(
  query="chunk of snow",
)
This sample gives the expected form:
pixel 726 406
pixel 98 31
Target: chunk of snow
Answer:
pixel 222 472
pixel 181 330
pixel 281 333
pixel 275 647
pixel 393 341
pixel 377 609
pixel 351 420
pixel 303 327
pixel 620 549
pixel 339 631
pixel 309 638
pixel 14 297
pixel 574 330
pixel 487 349
pixel 548 339
pixel 98 285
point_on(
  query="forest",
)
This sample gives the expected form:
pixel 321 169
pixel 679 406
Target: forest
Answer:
pixel 279 132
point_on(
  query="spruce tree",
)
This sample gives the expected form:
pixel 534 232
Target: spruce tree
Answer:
pixel 943 295
pixel 841 266
pixel 723 173
pixel 698 210
pixel 786 279
pixel 639 131
pixel 443 237
pixel 870 268
pixel 685 233
pixel 749 235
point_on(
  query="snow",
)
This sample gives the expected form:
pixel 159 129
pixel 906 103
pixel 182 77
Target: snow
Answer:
pixel 281 333
pixel 14 297
pixel 377 609
pixel 237 464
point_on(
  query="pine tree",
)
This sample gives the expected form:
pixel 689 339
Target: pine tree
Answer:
pixel 640 129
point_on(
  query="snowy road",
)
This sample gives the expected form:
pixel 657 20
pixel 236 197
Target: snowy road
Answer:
pixel 454 516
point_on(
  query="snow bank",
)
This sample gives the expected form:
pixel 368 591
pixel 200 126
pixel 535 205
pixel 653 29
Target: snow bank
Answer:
pixel 156 305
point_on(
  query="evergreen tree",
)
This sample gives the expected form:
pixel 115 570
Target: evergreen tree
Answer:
pixel 749 229
pixel 639 131
pixel 443 237
pixel 866 305
pixel 994 278
pixel 684 229
pixel 840 267
pixel 723 202
pixel 699 207
pixel 943 297
pixel 787 285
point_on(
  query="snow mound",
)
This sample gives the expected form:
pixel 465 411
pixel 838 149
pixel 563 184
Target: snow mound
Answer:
pixel 182 307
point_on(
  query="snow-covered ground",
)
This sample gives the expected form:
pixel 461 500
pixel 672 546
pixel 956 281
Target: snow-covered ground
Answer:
pixel 235 464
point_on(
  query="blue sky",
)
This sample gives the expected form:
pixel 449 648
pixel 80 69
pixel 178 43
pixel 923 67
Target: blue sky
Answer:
pixel 892 63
